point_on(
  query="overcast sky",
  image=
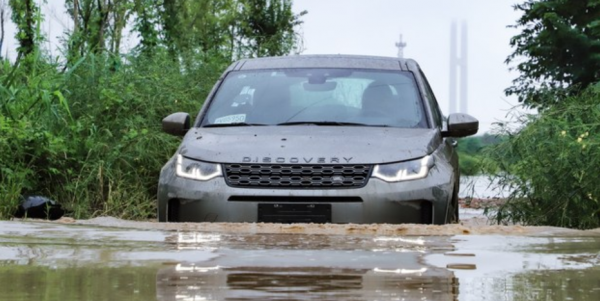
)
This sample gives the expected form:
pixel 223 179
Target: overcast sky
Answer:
pixel 373 27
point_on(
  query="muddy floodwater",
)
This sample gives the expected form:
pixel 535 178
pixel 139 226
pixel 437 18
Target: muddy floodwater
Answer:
pixel 110 259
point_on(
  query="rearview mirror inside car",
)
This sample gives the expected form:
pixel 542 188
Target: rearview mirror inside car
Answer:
pixel 326 86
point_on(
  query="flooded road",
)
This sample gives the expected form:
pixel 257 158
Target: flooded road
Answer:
pixel 109 259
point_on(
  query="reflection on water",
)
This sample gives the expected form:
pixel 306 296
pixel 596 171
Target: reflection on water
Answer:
pixel 46 262
pixel 187 283
pixel 46 283
pixel 547 285
pixel 526 268
pixel 306 267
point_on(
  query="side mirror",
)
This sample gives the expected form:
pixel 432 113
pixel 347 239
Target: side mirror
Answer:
pixel 461 125
pixel 176 124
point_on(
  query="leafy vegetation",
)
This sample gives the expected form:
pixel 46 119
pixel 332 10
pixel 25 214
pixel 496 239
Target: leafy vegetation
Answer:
pixel 85 130
pixel 558 50
pixel 550 162
pixel 552 165
pixel 472 154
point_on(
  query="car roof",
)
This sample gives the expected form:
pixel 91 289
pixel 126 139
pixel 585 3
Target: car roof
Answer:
pixel 324 61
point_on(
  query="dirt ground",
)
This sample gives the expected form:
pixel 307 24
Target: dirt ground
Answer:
pixel 472 221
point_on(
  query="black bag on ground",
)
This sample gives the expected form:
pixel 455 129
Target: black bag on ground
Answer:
pixel 39 207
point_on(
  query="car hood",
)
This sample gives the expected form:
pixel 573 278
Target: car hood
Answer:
pixel 308 144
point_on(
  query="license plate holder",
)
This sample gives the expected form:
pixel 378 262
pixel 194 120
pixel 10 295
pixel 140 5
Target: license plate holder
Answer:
pixel 294 213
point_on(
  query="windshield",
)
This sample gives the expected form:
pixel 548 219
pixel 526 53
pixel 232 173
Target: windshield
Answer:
pixel 317 97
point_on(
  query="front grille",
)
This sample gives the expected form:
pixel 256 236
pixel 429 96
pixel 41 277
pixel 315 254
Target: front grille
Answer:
pixel 297 176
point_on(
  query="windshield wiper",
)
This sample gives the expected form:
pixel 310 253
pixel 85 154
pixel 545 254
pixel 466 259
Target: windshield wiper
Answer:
pixel 338 123
pixel 221 125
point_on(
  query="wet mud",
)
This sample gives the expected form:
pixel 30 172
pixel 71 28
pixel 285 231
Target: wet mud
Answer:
pixel 111 259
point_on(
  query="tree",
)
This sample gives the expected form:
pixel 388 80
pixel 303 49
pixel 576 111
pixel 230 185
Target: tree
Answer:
pixel 269 26
pixel 2 17
pixel 98 25
pixel 557 51
pixel 147 25
pixel 226 30
pixel 122 10
pixel 26 15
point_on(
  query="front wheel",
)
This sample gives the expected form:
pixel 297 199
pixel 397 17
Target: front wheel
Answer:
pixel 453 212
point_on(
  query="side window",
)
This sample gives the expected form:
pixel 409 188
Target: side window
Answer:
pixel 437 115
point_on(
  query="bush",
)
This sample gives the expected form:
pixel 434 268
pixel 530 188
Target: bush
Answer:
pixel 30 101
pixel 473 159
pixel 90 137
pixel 552 165
pixel 469 165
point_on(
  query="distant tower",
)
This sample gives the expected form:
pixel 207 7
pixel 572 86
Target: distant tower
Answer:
pixel 401 45
pixel 458 68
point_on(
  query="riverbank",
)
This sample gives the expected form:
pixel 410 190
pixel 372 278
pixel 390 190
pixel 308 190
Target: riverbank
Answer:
pixel 480 203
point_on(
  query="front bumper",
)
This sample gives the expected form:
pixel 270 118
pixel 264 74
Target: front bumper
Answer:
pixel 418 201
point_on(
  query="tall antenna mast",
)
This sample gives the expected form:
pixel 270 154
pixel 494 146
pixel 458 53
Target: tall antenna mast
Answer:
pixel 401 45
pixel 458 68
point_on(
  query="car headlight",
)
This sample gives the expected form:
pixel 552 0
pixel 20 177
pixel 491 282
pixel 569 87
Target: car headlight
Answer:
pixel 197 170
pixel 404 171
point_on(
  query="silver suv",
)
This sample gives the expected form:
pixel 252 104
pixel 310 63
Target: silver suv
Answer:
pixel 315 139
